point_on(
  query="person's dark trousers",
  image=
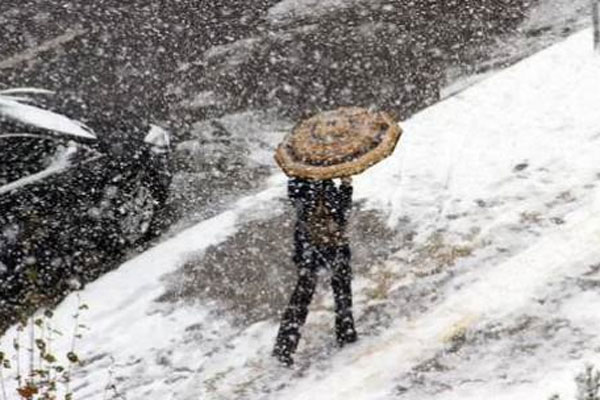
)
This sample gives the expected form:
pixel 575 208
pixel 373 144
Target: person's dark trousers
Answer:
pixel 296 312
pixel 338 260
pixel 341 283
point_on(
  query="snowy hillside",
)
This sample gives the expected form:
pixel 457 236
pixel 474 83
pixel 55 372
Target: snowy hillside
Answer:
pixel 488 290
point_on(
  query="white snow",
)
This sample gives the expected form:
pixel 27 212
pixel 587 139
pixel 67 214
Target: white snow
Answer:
pixel 507 168
pixel 14 107
pixel 287 10
pixel 158 136
pixel 58 165
pixel 25 90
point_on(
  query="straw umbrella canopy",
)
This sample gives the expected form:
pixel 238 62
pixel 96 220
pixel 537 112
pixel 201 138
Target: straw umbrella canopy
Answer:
pixel 338 143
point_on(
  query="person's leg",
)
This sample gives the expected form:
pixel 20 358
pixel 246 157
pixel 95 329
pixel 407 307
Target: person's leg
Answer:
pixel 341 282
pixel 295 314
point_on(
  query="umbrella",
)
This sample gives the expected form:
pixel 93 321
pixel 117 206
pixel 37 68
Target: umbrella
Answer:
pixel 338 143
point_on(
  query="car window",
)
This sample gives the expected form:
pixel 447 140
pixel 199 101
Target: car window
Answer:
pixel 24 155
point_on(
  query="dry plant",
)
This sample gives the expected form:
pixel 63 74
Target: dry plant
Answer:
pixel 436 254
pixel 588 385
pixel 41 378
pixel 530 217
pixel 383 280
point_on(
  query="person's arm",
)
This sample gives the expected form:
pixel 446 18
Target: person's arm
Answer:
pixel 346 193
pixel 297 189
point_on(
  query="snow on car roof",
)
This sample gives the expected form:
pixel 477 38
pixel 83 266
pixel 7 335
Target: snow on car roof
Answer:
pixel 13 106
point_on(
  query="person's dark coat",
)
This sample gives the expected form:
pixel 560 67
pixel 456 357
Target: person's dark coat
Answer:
pixel 305 196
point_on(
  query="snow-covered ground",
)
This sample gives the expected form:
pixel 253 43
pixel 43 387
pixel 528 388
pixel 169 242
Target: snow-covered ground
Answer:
pixel 493 294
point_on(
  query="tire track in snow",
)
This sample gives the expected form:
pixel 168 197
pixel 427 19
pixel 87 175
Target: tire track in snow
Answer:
pixel 31 53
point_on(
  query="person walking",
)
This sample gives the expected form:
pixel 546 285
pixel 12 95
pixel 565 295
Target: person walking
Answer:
pixel 320 241
pixel 330 145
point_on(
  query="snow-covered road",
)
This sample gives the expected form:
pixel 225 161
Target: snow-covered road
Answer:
pixel 502 189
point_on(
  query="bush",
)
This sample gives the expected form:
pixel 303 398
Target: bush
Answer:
pixel 588 385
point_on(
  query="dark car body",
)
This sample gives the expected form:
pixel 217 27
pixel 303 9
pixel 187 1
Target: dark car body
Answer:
pixel 71 206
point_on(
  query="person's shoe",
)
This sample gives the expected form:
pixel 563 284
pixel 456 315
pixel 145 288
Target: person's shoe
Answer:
pixel 347 337
pixel 283 357
pixel 285 346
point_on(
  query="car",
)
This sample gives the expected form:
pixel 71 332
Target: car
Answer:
pixel 74 197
